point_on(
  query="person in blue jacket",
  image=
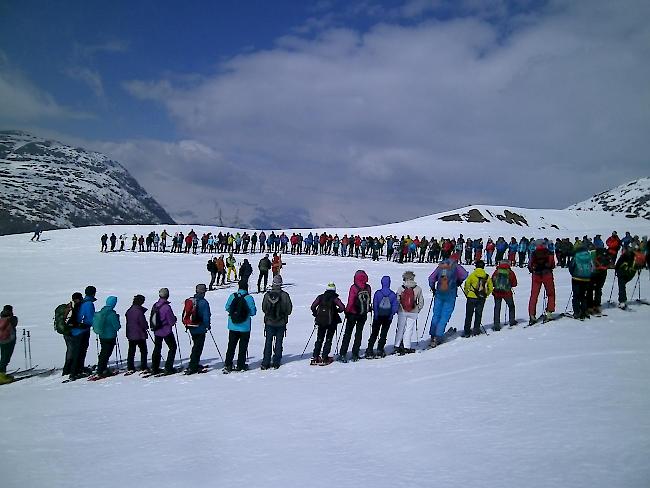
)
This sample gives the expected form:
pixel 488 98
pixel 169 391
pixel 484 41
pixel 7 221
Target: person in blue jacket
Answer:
pixel 198 331
pixel 444 283
pixel 106 323
pixel 239 332
pixel 80 334
pixel 384 306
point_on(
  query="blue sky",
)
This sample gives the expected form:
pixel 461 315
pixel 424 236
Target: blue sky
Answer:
pixel 278 112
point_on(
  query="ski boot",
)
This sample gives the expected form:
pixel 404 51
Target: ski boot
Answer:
pixel 532 320
pixel 315 361
pixel 342 358
pixel 369 354
pixel 354 358
pixel 496 327
pixel 622 305
pixel 380 353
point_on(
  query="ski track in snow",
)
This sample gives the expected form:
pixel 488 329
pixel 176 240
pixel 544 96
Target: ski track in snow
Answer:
pixel 562 404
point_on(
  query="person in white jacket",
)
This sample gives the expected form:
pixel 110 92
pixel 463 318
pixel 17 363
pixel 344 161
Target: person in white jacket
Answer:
pixel 411 301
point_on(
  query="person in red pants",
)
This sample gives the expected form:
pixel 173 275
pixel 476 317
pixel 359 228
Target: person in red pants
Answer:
pixel 541 266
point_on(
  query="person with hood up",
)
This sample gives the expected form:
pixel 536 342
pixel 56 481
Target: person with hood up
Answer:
pixel 325 309
pixel 444 283
pixel 411 302
pixel 239 327
pixel 356 313
pixel 385 306
pixel 277 307
pixel 8 324
pixel 106 323
pixel 478 287
pixel 136 333
pixel 163 331
pixel 541 265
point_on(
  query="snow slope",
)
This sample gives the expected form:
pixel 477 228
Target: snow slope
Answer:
pixel 563 404
pixel 631 199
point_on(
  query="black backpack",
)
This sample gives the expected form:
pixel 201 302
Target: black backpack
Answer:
pixel 275 313
pixel 363 301
pixel 155 322
pixel 212 268
pixel 324 312
pixel 238 309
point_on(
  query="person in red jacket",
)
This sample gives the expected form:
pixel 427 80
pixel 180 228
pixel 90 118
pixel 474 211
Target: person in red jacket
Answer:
pixel 613 244
pixel 504 280
pixel 541 265
pixel 356 313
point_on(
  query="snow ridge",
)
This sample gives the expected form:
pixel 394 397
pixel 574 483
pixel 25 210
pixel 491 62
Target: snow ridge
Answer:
pixel 59 186
pixel 631 198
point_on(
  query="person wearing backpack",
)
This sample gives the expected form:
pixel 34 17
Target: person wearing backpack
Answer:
pixel 277 307
pixel 504 280
pixel 197 321
pixel 221 271
pixel 581 267
pixel 411 302
pixel 444 282
pixel 276 264
pixel 325 309
pixel 65 319
pixel 245 272
pixel 385 305
pixel 541 264
pixel 356 313
pixel 162 320
pixel 80 335
pixel 264 266
pixel 212 269
pixel 136 333
pixel 8 325
pixel 477 288
pixel 625 272
pixel 106 323
pixel 230 264
pixel 602 261
pixel 240 307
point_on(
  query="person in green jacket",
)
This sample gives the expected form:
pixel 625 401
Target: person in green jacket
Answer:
pixel 106 323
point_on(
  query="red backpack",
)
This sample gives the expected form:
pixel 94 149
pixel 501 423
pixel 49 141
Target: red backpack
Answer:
pixel 6 330
pixel 190 313
pixel 407 299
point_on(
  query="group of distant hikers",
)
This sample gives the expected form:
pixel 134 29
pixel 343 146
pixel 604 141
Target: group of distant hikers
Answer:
pixel 588 262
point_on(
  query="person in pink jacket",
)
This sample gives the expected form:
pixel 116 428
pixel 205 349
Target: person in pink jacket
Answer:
pixel 356 313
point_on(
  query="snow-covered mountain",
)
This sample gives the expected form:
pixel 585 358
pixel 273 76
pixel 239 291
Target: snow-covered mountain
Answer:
pixel 58 186
pixel 632 199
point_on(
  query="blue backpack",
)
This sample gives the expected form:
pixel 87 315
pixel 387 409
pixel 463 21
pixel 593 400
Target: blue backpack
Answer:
pixel 583 265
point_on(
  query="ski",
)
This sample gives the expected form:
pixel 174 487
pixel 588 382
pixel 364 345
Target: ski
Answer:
pixel 170 373
pixel 22 371
pixel 33 375
pixel 96 377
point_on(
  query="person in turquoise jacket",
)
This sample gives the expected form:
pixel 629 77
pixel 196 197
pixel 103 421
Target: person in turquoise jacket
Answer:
pixel 106 323
pixel 239 332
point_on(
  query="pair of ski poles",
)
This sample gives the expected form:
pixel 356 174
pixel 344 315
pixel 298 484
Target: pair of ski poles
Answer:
pixel 27 347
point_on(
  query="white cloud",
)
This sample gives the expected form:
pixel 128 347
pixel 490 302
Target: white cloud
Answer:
pixel 88 76
pixel 403 121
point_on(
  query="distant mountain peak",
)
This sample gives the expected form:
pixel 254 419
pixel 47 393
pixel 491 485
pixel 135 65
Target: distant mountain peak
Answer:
pixel 631 199
pixel 55 185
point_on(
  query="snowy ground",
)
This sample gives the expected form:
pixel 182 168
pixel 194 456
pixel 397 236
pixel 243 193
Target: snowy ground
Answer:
pixel 563 404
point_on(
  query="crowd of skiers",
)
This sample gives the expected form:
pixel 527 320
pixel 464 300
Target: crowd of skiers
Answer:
pixel 588 262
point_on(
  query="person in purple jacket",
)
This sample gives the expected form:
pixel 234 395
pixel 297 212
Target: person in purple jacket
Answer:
pixel 164 333
pixel 136 333
pixel 356 313
pixel 385 306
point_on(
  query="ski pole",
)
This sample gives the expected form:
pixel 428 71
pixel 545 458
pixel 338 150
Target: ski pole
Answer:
pixel 567 303
pixel 119 351
pixel 427 319
pixel 416 330
pixel 638 280
pixel 29 346
pixel 150 336
pixel 342 332
pixel 308 341
pixel 97 346
pixel 336 332
pixel 612 290
pixel 215 345
pixel 178 344
pixel 25 347
pixel 484 331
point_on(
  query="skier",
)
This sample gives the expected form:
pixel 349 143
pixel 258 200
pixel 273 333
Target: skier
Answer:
pixel 602 261
pixel 276 264
pixel 613 243
pixel 230 264
pixel 106 323
pixel 245 272
pixel 8 324
pixel 411 302
pixel 444 282
pixel 199 329
pixel 325 309
pixel 37 233
pixel 504 280
pixel 356 313
pixel 240 307
pixel 104 241
pixel 164 332
pixel 277 307
pixel 477 288
pixel 625 272
pixel 541 264
pixel 264 266
pixel 113 240
pixel 136 333
pixel 70 318
pixel 221 271
pixel 581 267
pixel 80 335
pixel 212 269
pixel 385 306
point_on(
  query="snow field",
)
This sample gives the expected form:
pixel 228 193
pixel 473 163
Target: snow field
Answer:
pixel 562 404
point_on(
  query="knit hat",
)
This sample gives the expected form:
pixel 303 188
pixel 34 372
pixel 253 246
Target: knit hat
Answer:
pixel 138 300
pixel 7 311
pixel 331 287
pixel 163 293
pixel 277 282
pixel 408 276
pixel 201 288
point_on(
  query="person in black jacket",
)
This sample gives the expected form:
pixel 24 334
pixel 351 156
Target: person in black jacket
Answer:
pixel 245 272
pixel 326 309
pixel 264 266
pixel 277 307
